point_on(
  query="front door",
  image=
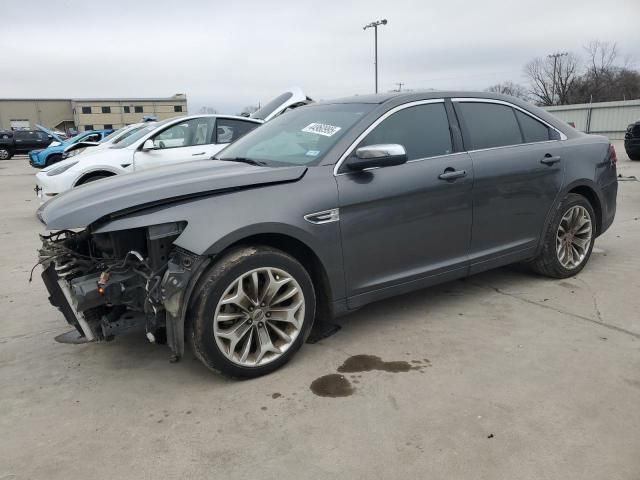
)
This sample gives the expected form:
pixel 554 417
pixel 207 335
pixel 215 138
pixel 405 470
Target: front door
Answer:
pixel 409 225
pixel 191 139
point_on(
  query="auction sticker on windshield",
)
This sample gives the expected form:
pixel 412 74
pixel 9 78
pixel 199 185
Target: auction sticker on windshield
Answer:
pixel 321 129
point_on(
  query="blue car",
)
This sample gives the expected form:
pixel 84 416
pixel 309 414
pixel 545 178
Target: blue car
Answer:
pixel 53 153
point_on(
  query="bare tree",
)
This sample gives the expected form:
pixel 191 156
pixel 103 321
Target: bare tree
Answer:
pixel 510 88
pixel 207 110
pixel 548 74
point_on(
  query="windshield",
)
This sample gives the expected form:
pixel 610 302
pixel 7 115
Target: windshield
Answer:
pixel 301 137
pixel 113 135
pixel 138 134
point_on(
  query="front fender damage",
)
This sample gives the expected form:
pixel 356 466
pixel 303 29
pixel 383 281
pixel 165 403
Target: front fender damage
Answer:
pixel 178 283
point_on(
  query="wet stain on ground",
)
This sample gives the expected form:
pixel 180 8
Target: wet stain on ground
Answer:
pixel 336 385
pixel 367 363
pixel 276 395
pixel 332 385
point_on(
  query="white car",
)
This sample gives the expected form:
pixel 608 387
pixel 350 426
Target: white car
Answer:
pixel 170 141
pixel 111 139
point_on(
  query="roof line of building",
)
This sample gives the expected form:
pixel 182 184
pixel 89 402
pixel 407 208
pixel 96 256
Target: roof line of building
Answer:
pixel 180 96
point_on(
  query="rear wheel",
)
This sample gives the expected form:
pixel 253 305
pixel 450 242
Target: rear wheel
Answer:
pixel 634 156
pixel 568 241
pixel 5 154
pixel 253 310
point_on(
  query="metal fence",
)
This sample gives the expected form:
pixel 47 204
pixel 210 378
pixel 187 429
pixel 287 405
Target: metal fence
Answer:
pixel 605 118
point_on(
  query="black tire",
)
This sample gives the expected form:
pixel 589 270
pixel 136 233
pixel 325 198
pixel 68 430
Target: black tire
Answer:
pixel 53 158
pixel 92 178
pixel 5 153
pixel 547 262
pixel 634 156
pixel 213 284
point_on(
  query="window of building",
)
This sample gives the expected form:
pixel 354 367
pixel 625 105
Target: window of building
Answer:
pixel 229 130
pixel 127 109
pixel 106 109
pixel 490 125
pixel 108 126
pixel 88 127
pixel 138 109
pixel 177 108
pixel 86 109
pixel 422 130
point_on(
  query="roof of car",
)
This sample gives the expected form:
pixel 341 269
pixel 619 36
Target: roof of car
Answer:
pixel 416 95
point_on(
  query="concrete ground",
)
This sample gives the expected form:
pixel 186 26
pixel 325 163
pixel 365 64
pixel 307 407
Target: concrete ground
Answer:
pixel 520 377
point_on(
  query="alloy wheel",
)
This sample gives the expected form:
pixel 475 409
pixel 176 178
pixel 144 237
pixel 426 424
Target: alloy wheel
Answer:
pixel 574 236
pixel 4 154
pixel 259 316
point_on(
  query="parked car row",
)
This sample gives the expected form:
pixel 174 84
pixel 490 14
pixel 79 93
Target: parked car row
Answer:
pixel 157 144
pixel 20 142
pixel 316 213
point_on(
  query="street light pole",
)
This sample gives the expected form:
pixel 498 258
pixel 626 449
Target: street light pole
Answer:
pixel 555 57
pixel 375 26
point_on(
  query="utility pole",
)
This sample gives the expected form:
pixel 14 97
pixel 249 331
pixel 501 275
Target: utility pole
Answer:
pixel 400 84
pixel 555 57
pixel 375 26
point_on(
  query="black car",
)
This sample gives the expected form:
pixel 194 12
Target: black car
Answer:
pixel 17 142
pixel 320 211
pixel 632 141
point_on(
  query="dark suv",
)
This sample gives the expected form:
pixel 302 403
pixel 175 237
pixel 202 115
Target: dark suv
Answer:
pixel 320 211
pixel 632 141
pixel 17 142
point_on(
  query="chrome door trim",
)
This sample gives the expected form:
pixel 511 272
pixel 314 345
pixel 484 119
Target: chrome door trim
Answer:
pixel 509 104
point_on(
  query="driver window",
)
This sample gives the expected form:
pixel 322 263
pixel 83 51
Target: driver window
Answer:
pixel 422 130
pixel 197 131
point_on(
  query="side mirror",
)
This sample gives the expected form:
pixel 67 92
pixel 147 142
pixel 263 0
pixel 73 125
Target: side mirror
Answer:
pixel 371 156
pixel 148 145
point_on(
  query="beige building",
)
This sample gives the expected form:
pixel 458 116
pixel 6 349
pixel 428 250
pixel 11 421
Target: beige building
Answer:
pixel 87 114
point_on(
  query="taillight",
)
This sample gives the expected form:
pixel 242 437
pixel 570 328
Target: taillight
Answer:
pixel 612 154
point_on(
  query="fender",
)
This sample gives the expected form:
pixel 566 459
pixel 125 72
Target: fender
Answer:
pixel 583 182
pixel 94 170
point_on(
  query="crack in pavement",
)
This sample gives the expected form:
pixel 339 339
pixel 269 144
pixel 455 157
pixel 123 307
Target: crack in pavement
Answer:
pixel 559 310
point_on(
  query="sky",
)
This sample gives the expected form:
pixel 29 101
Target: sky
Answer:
pixel 230 54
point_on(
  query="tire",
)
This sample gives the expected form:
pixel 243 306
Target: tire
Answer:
pixel 5 153
pixel 576 237
pixel 220 309
pixel 634 156
pixel 53 158
pixel 90 179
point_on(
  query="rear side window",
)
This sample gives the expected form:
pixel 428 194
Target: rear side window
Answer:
pixel 489 125
pixel 229 130
pixel 422 130
pixel 532 129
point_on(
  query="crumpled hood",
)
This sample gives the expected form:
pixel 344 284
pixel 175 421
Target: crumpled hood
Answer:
pixel 84 205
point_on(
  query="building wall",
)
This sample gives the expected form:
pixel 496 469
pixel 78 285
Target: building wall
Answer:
pixel 605 118
pixel 66 114
pixel 49 113
pixel 121 112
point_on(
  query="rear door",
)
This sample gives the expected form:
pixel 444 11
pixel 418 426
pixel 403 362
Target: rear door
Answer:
pixel 518 173
pixel 191 139
pixel 406 226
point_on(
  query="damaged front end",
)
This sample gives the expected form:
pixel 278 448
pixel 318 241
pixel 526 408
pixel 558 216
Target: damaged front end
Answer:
pixel 109 283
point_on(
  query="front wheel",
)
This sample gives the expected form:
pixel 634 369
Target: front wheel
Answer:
pixel 568 241
pixel 253 310
pixel 51 159
pixel 5 153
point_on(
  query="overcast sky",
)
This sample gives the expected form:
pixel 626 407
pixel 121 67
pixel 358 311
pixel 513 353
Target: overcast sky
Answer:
pixel 228 54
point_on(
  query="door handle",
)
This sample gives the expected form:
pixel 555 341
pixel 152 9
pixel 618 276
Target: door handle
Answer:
pixel 451 174
pixel 196 154
pixel 549 159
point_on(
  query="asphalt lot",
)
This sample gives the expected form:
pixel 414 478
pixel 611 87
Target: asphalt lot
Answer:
pixel 519 377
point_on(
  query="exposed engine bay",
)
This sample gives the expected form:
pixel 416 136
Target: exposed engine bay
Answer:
pixel 108 283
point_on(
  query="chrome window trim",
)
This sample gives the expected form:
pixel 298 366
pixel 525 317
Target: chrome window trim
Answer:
pixel 386 115
pixel 509 104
